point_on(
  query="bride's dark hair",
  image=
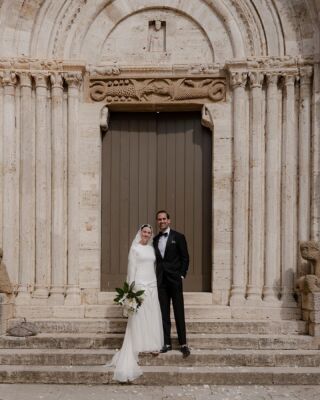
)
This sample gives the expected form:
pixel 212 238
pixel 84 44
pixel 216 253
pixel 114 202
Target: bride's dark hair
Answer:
pixel 145 226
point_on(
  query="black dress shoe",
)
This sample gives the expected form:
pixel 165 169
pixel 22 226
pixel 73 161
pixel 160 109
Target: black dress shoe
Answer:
pixel 165 348
pixel 185 351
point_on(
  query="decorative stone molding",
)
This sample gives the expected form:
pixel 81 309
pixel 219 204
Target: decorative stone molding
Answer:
pixel 157 90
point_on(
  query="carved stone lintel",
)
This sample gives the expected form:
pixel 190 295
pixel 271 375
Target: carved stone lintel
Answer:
pixel 104 119
pixel 255 79
pixel 158 90
pixel 238 79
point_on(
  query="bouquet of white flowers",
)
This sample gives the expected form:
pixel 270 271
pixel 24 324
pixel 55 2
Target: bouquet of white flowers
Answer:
pixel 128 298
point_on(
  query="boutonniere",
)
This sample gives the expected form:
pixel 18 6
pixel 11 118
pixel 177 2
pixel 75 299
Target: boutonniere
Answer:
pixel 173 241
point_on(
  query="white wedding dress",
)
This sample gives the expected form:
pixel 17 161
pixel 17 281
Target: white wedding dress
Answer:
pixel 144 332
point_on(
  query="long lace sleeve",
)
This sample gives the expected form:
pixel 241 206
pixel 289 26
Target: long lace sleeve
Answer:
pixel 132 266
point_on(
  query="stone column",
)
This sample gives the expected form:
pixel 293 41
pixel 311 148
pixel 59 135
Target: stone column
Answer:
pixel 257 149
pixel 289 192
pixel 240 188
pixel 43 214
pixel 73 290
pixel 58 237
pixel 1 162
pixel 315 187
pixel 304 213
pixel 10 178
pixel 273 192
pixel 27 191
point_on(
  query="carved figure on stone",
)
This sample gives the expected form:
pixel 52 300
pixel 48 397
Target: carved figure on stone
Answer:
pixel 5 284
pixel 310 251
pixel 156 41
pixel 157 90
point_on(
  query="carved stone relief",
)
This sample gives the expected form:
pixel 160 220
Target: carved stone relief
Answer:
pixel 158 90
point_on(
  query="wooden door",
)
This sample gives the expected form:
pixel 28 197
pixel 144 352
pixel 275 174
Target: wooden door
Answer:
pixel 153 161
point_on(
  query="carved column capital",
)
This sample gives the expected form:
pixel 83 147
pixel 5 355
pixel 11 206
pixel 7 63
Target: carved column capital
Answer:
pixel 25 79
pixel 272 77
pixel 238 79
pixel 73 79
pixel 8 78
pixel 255 79
pixel 289 78
pixel 56 80
pixel 41 79
pixel 306 75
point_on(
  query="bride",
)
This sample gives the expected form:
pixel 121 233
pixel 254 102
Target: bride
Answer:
pixel 144 332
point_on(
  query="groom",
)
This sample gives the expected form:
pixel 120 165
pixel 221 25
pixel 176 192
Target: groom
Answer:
pixel 172 261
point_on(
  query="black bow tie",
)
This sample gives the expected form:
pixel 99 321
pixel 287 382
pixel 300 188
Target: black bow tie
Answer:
pixel 165 234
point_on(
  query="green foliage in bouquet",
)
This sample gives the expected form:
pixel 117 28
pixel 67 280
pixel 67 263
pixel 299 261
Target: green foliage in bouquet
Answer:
pixel 128 298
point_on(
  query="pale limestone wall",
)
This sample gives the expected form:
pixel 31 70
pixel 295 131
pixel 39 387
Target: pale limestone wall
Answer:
pixel 270 55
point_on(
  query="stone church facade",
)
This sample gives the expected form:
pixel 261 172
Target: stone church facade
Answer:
pixel 249 68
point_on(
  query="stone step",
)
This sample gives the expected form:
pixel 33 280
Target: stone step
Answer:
pixel 192 311
pixel 221 358
pixel 218 326
pixel 163 375
pixel 195 340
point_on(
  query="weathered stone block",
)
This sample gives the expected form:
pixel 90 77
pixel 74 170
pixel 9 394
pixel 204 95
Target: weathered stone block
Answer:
pixel 314 329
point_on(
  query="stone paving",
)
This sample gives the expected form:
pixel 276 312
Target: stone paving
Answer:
pixel 128 392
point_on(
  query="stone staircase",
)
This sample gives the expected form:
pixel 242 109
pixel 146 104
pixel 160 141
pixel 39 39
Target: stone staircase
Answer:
pixel 224 351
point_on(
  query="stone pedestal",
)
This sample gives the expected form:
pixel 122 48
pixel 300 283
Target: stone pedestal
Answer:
pixel 6 312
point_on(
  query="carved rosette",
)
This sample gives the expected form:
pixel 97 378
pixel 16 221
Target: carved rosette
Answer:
pixel 157 90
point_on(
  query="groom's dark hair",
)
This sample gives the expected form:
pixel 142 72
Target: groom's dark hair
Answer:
pixel 163 212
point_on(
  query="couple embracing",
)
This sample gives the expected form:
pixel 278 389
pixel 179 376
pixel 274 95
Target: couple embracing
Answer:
pixel 158 266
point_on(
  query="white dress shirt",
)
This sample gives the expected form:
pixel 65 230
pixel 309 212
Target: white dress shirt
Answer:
pixel 163 242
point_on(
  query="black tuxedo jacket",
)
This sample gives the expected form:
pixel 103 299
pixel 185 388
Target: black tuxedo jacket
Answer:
pixel 175 262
